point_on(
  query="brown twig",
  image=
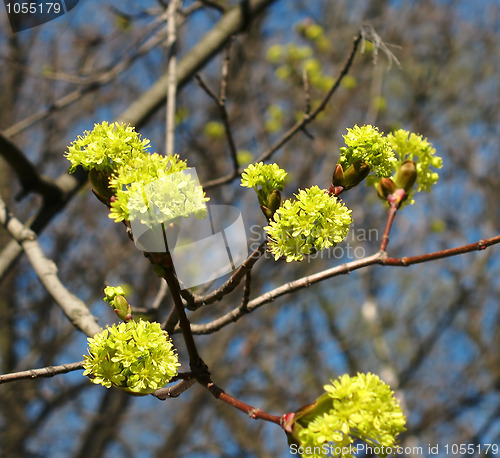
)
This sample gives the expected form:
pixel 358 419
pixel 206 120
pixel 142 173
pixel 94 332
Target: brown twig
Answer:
pixel 195 362
pixel 175 390
pixel 221 104
pixel 302 123
pixel 476 246
pixel 390 219
pixel 377 258
pixel 235 314
pixel 252 412
pixel 48 371
pixel 172 77
pixel 233 281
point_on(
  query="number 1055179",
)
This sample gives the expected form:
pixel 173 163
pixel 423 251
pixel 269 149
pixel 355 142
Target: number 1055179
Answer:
pixel 33 8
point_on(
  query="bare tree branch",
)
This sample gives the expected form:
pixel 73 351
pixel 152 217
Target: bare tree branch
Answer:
pixel 49 371
pixel 46 269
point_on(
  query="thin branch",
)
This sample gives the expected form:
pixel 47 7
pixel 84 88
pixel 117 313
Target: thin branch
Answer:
pixel 476 246
pixel 302 123
pixel 195 362
pixel 175 390
pixel 172 76
pixel 221 105
pixel 49 371
pixel 46 270
pixel 252 412
pixel 282 290
pixel 232 282
pixel 377 258
pixel 390 220
pixel 246 290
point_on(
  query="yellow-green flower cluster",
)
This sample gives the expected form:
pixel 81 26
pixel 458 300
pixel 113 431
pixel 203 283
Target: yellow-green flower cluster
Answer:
pixel 412 147
pixel 137 357
pixel 266 177
pixel 365 144
pixel 155 189
pixel 360 407
pixel 110 292
pixel 106 147
pixel 137 185
pixel 312 222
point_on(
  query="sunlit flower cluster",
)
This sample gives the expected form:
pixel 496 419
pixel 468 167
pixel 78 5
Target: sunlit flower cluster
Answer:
pixel 312 222
pixel 137 357
pixel 264 178
pixel 412 147
pixel 362 407
pixel 106 147
pixel 150 188
pixel 155 189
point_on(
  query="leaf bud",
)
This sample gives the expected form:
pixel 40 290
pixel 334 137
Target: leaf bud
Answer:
pixel 406 176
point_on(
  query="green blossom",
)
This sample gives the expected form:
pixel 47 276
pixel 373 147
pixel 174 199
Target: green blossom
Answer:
pixel 155 189
pixel 410 146
pixel 311 223
pixel 137 357
pixel 106 147
pixel 366 144
pixel 267 180
pixel 111 292
pixel 362 407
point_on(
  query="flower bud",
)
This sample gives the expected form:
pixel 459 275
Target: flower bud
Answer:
pixel 274 201
pixel 100 184
pixel 122 308
pixel 406 176
pixel 385 187
pixel 355 174
pixel 338 176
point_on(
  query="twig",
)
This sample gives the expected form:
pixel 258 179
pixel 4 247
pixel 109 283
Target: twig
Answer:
pixel 252 412
pixel 476 246
pixel 46 269
pixel 195 362
pixel 390 219
pixel 377 258
pixel 172 77
pixel 287 288
pixel 246 290
pixel 232 282
pixel 175 390
pixel 221 104
pixel 302 123
pixel 49 371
